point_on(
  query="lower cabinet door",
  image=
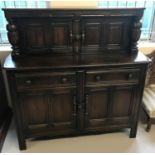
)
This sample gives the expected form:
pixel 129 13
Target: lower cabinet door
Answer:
pixel 53 111
pixel 109 106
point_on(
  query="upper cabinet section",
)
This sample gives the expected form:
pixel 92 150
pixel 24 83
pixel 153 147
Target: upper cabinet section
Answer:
pixel 68 31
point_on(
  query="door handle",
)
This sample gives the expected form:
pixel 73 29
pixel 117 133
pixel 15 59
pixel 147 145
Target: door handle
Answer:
pixel 83 38
pixel 50 125
pixel 76 37
pixel 79 106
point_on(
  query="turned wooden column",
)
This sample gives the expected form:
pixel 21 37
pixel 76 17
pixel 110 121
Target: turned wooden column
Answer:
pixel 13 37
pixel 136 32
pixel 76 36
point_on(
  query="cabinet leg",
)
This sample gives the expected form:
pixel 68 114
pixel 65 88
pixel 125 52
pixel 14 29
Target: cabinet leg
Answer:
pixel 133 132
pixel 22 144
pixel 148 128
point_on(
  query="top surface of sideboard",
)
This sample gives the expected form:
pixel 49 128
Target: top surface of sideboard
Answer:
pixel 48 12
pixel 55 62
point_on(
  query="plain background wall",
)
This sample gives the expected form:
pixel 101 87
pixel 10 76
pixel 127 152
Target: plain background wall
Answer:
pixel 73 4
pixel 145 48
pixel 3 54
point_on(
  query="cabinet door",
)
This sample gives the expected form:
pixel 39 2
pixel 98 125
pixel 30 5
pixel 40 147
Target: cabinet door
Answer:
pixel 105 34
pixel 48 36
pixel 96 110
pixel 55 111
pixel 92 35
pixel 109 106
pixel 123 101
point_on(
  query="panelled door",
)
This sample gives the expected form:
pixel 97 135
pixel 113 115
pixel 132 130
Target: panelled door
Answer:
pixel 47 36
pixel 55 111
pixel 109 106
pixel 105 34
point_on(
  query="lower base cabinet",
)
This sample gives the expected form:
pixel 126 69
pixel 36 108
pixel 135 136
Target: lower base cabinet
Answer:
pixel 68 102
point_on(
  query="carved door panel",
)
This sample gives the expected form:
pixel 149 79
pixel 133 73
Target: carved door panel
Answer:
pixel 60 38
pixel 117 34
pixel 48 36
pixel 49 111
pixel 96 107
pixel 92 32
pixel 123 102
pixel 109 106
pixel 105 34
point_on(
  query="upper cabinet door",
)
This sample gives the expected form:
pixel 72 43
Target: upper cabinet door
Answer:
pixel 46 36
pixel 106 34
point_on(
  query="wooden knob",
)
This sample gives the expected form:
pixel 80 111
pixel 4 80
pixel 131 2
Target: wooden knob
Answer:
pixel 64 80
pixel 50 125
pixel 98 77
pixel 130 76
pixel 79 106
pixel 28 82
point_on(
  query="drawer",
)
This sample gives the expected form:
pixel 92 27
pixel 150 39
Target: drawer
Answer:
pixel 45 80
pixel 112 76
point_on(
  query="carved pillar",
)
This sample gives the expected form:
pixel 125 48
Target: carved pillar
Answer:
pixel 13 37
pixel 76 36
pixel 135 34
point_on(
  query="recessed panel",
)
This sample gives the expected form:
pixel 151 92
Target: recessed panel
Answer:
pixel 115 35
pixel 122 101
pixel 62 108
pixel 35 109
pixel 92 34
pixel 97 105
pixel 35 36
pixel 59 36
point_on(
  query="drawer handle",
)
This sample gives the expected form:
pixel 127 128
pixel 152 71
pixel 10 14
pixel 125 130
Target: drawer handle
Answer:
pixel 130 76
pixel 28 82
pixel 98 78
pixel 79 106
pixel 64 80
pixel 50 125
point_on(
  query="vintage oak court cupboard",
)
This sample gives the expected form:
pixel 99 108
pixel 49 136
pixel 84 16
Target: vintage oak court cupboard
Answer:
pixel 75 71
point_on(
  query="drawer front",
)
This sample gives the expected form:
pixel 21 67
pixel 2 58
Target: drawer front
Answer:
pixel 112 76
pixel 45 80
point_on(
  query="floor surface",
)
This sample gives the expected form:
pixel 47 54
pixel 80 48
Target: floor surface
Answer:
pixel 110 142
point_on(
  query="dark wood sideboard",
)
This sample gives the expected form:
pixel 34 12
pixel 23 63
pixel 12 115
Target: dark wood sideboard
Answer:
pixel 74 72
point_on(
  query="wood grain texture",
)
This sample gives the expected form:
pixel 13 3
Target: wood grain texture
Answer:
pixel 76 73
